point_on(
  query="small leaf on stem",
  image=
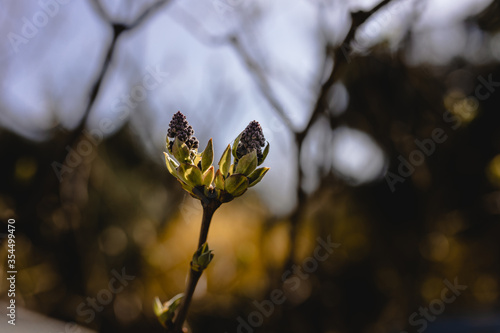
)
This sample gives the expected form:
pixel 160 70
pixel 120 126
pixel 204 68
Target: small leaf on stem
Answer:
pixel 208 176
pixel 247 163
pixel 171 165
pixel 190 174
pixel 219 180
pixel 235 145
pixel 236 185
pixel 256 176
pixel 207 156
pixel 225 161
pixel 180 151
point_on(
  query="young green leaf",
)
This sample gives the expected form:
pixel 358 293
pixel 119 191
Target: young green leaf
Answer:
pixel 201 258
pixel 166 312
pixel 256 176
pixel 219 180
pixel 236 185
pixel 235 145
pixel 157 307
pixel 247 163
pixel 208 176
pixel 190 174
pixel 225 161
pixel 180 151
pixel 207 157
pixel 171 165
pixel 174 302
pixel 187 188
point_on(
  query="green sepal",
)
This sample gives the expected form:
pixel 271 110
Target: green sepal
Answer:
pixel 225 161
pixel 256 176
pixel 264 154
pixel 247 164
pixel 236 184
pixel 219 180
pixel 235 145
pixel 190 174
pixel 208 176
pixel 207 157
pixel 180 151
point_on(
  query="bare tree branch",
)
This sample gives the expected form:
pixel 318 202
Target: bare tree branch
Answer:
pixel 100 10
pixel 262 82
pixel 149 11
pixel 118 29
pixel 340 59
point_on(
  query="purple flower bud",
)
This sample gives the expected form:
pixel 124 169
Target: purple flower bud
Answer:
pixel 252 138
pixel 179 128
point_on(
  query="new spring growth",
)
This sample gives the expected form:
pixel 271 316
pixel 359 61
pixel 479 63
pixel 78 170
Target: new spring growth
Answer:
pixel 252 138
pixel 179 128
pixel 201 258
pixel 166 312
pixel 195 172
pixel 237 167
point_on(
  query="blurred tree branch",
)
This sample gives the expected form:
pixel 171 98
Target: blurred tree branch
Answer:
pixel 48 182
pixel 75 135
pixel 339 54
pixel 340 59
pixel 118 30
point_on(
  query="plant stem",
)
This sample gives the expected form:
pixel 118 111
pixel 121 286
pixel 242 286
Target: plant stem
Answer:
pixel 209 208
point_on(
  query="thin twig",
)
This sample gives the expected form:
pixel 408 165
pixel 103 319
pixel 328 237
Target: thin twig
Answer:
pixel 261 81
pixel 209 208
pixel 149 11
pixel 118 30
pixel 340 60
